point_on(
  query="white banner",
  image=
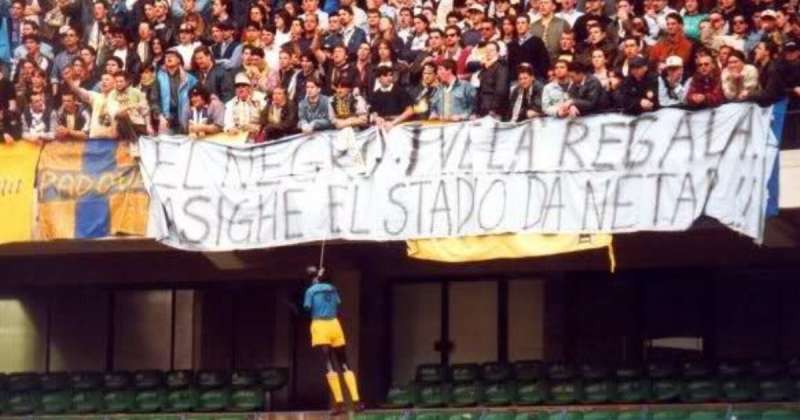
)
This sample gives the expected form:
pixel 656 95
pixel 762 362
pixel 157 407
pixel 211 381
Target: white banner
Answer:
pixel 609 173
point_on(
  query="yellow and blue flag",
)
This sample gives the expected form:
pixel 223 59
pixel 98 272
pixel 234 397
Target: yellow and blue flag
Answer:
pixel 90 189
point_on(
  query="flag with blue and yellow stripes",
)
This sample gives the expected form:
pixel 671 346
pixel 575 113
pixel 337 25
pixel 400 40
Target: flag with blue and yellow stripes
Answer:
pixel 90 189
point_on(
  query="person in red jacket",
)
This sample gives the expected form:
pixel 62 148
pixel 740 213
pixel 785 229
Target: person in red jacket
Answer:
pixel 705 89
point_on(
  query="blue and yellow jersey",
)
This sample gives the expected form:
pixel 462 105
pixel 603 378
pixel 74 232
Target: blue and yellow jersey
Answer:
pixel 322 300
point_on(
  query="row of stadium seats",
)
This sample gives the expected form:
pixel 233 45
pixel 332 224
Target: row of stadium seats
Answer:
pixel 642 414
pixel 147 391
pixel 533 382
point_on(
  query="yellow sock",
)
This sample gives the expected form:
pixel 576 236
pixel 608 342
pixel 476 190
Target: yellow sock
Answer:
pixel 336 387
pixel 352 387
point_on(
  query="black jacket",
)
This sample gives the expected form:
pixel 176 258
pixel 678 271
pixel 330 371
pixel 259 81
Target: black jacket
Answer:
pixel 590 96
pixel 10 123
pixel 632 91
pixel 286 126
pixel 533 52
pixel 218 81
pixel 534 101
pixel 493 91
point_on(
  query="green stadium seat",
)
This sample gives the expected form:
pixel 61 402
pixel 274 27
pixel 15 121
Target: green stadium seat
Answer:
pixel 530 415
pixel 565 415
pixel 699 383
pixel 531 388
pixel 214 392
pixel 247 394
pixel 24 402
pixel 431 374
pixel 466 394
pixel 665 385
pixel 492 372
pixel 668 414
pixel 232 416
pixel 433 395
pixel 772 381
pixel 118 395
pixel 600 415
pixel 400 396
pixel 780 415
pixel 181 393
pixel 598 387
pixel 631 386
pixel 273 379
pixel 398 415
pixel 87 396
pixel 564 386
pixel 56 393
pixel 736 384
pixel 150 395
pixel 500 394
pixel 466 390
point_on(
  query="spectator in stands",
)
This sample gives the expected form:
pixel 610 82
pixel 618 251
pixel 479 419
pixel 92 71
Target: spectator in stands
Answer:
pixel 764 58
pixel 600 70
pixel 172 92
pixel 671 86
pixel 692 16
pixel 586 93
pixel 131 111
pixel 215 79
pixel 64 59
pixel 118 47
pixel 352 35
pixel 555 95
pixel 11 30
pixel 337 68
pixel 72 120
pixel 10 125
pixel 347 108
pixel 492 95
pixel 674 43
pixel 549 27
pixel 226 50
pixel 101 124
pixel 705 90
pixel 455 99
pixel 243 111
pixel 639 90
pixel 279 117
pixel 205 115
pixel 29 27
pixel 287 74
pixel 314 109
pixel 526 96
pixel 598 40
pixel 739 79
pixel 422 95
pixel 34 55
pixel 390 104
pixel 38 120
pixel 569 12
pixel 454 50
pixel 530 49
pixel 567 50
pixel 594 12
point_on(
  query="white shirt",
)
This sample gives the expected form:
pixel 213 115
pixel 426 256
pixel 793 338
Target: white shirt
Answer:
pixel 186 51
pixel 322 18
pixel 122 55
pixel 570 17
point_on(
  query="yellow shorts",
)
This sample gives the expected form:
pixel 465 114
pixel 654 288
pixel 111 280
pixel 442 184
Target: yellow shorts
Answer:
pixel 327 332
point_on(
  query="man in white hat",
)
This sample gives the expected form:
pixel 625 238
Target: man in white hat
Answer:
pixel 671 86
pixel 242 112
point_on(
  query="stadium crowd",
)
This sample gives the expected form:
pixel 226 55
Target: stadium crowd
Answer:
pixel 78 69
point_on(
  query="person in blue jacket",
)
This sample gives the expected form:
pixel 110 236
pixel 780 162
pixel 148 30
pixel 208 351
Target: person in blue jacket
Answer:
pixel 322 301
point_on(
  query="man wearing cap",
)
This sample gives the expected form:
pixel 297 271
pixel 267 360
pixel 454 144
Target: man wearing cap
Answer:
pixel 171 94
pixel 476 14
pixel 671 87
pixel 243 111
pixel 346 108
pixel 638 92
pixel 206 114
